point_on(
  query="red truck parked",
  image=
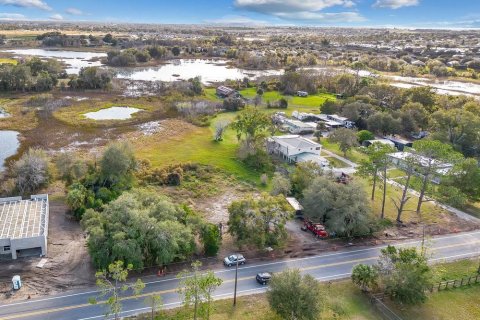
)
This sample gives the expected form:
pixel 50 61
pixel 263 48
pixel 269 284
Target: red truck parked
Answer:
pixel 317 229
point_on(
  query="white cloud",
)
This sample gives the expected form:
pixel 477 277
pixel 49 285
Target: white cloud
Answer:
pixel 12 16
pixel 236 20
pixel 303 10
pixel 396 4
pixel 273 6
pixel 327 17
pixel 56 16
pixel 38 4
pixel 74 11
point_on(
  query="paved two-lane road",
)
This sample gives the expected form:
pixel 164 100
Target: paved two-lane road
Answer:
pixel 324 267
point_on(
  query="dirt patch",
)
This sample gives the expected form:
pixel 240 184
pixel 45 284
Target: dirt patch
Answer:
pixel 68 263
pixel 216 208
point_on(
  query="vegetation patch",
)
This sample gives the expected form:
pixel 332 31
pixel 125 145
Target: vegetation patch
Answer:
pixel 20 117
pixel 181 142
pixel 8 61
pixel 75 115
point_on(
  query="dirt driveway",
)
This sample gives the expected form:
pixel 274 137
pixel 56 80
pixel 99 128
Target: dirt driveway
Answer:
pixel 68 263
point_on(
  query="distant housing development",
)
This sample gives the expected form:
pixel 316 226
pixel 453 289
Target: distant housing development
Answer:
pixel 24 226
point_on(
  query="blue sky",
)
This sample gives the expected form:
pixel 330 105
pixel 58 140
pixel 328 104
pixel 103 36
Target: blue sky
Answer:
pixel 391 13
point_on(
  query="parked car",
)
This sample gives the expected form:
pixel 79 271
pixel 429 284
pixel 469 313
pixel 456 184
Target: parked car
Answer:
pixel 232 259
pixel 317 229
pixel 264 277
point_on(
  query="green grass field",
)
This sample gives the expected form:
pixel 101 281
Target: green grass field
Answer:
pixel 459 304
pixel 196 144
pixel 311 103
pixel 352 155
pixel 434 214
pixel 8 61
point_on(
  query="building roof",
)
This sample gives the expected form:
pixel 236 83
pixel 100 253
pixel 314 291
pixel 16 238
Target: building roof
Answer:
pixel 398 140
pixel 299 124
pixel 337 117
pixel 295 141
pixel 294 203
pixel 382 141
pixel 23 218
pixel 225 90
pixel 310 157
pixel 424 161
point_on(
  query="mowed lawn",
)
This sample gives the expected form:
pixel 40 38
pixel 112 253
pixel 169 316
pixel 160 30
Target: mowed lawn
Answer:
pixel 459 304
pixel 311 103
pixel 430 212
pixel 196 144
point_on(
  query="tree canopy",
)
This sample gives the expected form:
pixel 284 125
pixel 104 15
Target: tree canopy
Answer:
pixel 259 221
pixel 344 209
pixel 141 228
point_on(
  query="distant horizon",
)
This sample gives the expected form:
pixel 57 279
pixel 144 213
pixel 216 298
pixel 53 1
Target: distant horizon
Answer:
pixel 265 26
pixel 399 14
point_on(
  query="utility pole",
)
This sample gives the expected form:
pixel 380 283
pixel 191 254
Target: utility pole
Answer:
pixel 236 278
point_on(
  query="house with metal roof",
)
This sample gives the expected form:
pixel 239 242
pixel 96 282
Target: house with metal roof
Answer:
pixel 24 226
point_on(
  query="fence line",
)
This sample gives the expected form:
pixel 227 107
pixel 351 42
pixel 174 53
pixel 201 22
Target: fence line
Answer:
pixel 450 284
pixel 387 313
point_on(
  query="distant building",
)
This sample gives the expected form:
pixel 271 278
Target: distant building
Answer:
pixel 302 93
pixel 368 143
pixel 296 206
pixel 294 148
pixel 225 92
pixel 24 226
pixel 299 127
pixel 400 143
pixel 399 159
pixel 343 120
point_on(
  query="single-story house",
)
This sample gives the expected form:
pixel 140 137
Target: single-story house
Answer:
pixel 399 159
pixel 224 92
pixel 343 120
pixel 400 143
pixel 299 127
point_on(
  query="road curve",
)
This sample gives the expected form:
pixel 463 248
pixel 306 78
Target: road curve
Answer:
pixel 324 267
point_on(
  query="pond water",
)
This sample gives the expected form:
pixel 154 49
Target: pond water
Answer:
pixel 442 86
pixel 9 144
pixel 3 113
pixel 75 60
pixel 183 69
pixel 112 113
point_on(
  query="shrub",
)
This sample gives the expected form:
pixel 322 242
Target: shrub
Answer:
pixel 211 239
pixel 283 103
pixel 364 135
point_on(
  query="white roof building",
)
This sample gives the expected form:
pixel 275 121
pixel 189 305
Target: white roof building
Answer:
pixel 294 148
pixel 441 168
pixel 299 127
pixel 24 226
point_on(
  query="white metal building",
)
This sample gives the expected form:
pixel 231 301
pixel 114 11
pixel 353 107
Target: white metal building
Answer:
pixel 24 226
